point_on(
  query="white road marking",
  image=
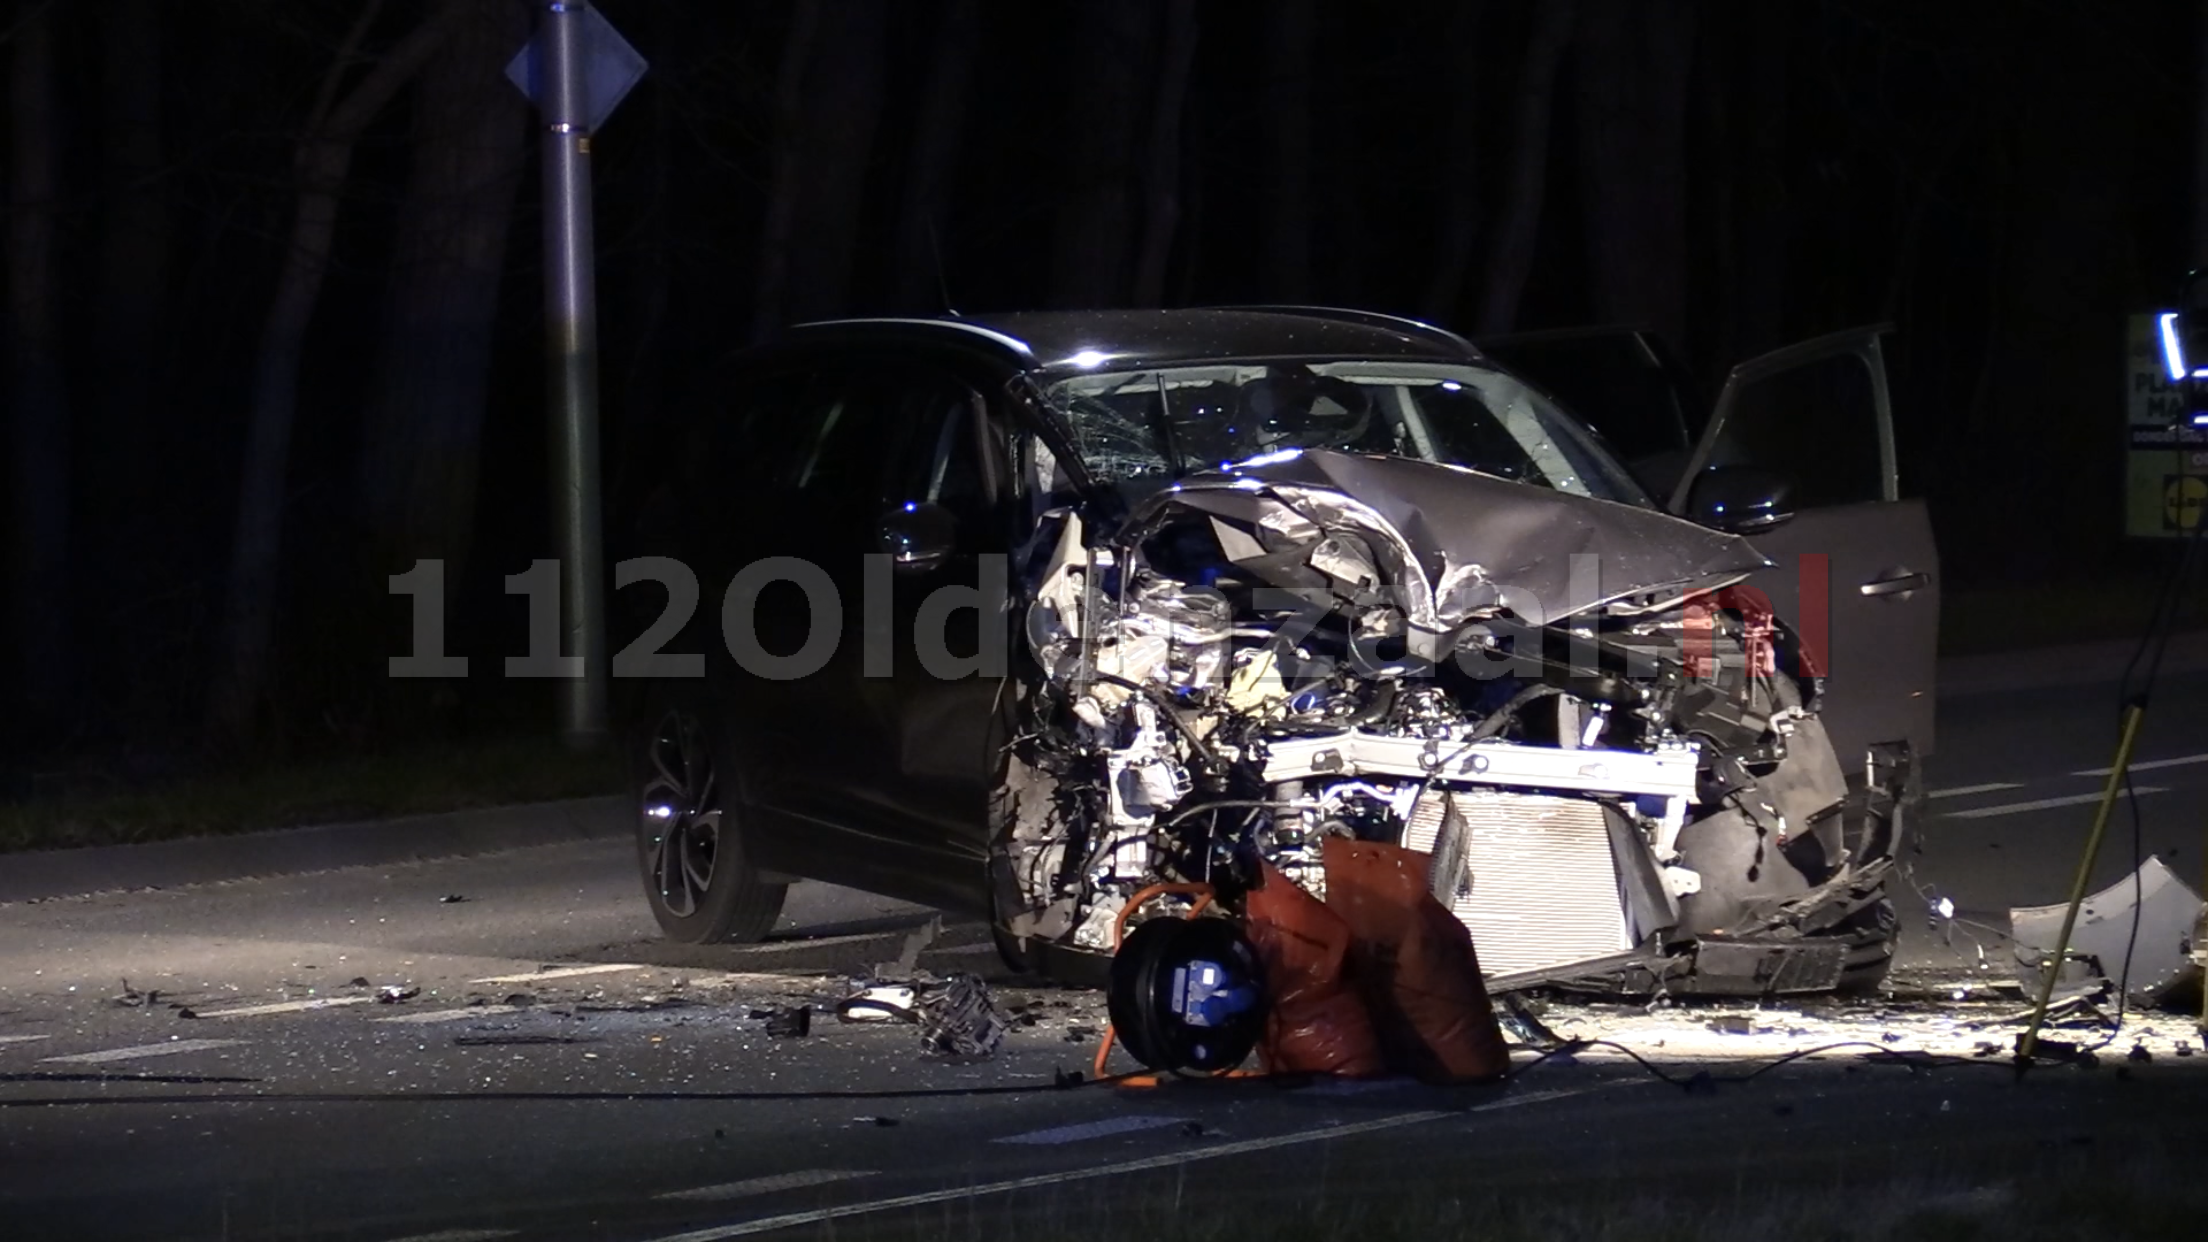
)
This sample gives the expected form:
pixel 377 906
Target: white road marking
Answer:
pixel 2149 766
pixel 563 972
pixel 170 1048
pixel 768 1185
pixel 19 1039
pixel 769 1224
pixel 1089 1129
pixel 2040 804
pixel 1964 791
pixel 459 1235
pixel 450 1015
pixel 297 1006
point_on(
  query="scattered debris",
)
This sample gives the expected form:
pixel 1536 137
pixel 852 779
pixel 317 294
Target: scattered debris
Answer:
pixel 647 1003
pixel 519 998
pixel 1193 1129
pixel 186 1013
pixel 792 1023
pixel 359 981
pixel 2142 941
pixel 451 898
pixel 1521 1020
pixel 884 1122
pixel 882 1002
pixel 1732 1024
pixel 132 998
pixel 520 1041
pixel 393 993
pixel 958 1019
pixel 2139 1053
pixel 1080 1034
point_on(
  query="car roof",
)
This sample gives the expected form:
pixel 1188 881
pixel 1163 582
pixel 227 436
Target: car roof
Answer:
pixel 1083 340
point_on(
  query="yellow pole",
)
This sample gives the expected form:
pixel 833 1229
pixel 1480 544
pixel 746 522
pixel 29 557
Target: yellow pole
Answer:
pixel 2053 966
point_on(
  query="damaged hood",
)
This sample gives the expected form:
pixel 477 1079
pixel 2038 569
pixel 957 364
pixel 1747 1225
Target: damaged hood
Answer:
pixel 1473 544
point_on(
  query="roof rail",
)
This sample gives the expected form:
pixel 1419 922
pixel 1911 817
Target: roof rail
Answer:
pixel 1374 319
pixel 1008 341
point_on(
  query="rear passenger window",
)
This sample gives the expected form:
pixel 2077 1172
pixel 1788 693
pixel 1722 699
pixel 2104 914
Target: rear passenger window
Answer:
pixel 741 443
pixel 893 435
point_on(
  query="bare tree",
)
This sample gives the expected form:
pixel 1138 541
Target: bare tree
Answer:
pixel 320 166
pixel 1162 187
pixel 828 103
pixel 129 302
pixel 38 406
pixel 1460 189
pixel 424 418
pixel 1511 243
pixel 937 133
pixel 1289 36
pixel 1632 77
pixel 1093 235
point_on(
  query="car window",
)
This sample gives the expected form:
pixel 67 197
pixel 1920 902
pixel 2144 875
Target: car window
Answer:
pixel 748 426
pixel 1817 425
pixel 890 435
pixel 1139 429
pixel 1611 380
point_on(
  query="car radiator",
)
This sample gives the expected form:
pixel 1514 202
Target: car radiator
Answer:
pixel 1544 891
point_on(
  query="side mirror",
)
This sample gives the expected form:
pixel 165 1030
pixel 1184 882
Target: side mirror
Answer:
pixel 1740 500
pixel 918 536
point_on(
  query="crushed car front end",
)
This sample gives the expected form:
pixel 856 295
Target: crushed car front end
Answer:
pixel 1610 756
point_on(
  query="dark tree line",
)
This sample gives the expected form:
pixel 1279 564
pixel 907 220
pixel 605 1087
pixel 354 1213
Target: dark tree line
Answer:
pixel 271 274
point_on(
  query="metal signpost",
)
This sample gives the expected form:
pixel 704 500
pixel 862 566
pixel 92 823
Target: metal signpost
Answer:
pixel 575 70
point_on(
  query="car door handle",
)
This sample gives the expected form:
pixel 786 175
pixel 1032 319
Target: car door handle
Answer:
pixel 1897 586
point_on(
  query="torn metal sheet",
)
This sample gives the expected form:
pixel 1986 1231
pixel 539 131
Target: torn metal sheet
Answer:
pixel 2102 944
pixel 1477 543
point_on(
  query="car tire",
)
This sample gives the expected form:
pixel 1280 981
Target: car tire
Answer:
pixel 691 821
pixel 1872 934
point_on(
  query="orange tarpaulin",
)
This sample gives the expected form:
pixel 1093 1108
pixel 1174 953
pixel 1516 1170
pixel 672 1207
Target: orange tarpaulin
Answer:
pixel 1317 1024
pixel 1414 964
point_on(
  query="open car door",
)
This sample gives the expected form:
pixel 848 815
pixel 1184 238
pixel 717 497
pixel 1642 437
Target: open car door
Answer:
pixel 1856 572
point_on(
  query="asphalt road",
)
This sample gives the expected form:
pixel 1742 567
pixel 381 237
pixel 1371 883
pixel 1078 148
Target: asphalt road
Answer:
pixel 213 1062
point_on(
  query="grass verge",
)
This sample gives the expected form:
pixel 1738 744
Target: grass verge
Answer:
pixel 301 793
pixel 1979 620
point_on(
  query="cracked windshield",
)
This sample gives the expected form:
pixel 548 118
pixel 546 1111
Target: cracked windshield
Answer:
pixel 1140 429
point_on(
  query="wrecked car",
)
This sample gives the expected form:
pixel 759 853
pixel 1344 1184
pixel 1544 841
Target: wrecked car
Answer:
pixel 1071 620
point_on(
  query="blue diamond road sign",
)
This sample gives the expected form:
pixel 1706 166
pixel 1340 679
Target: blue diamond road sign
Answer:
pixel 610 67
